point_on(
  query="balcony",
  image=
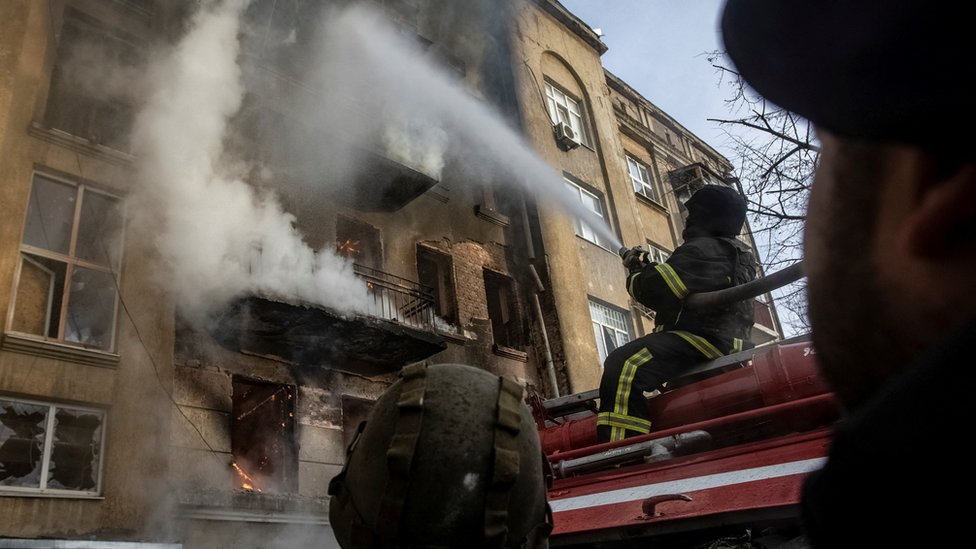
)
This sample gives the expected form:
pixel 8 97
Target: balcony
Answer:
pixel 397 328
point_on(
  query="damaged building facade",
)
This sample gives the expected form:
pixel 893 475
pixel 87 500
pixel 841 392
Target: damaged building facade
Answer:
pixel 125 419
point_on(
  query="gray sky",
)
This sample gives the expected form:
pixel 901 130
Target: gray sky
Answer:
pixel 657 47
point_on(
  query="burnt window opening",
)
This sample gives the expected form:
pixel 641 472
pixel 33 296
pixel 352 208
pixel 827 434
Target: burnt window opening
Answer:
pixel 262 437
pixel 359 242
pixel 50 448
pixel 435 270
pixel 502 309
pixel 92 94
pixel 70 257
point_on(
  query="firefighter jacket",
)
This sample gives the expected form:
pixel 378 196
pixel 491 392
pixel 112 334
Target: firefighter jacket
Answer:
pixel 701 264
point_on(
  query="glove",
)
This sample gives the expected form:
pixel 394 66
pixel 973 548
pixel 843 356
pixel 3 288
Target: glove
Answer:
pixel 632 259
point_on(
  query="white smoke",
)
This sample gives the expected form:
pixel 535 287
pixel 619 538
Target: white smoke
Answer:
pixel 219 237
pixel 375 80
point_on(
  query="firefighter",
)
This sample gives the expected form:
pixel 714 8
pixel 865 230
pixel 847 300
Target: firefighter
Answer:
pixel 890 251
pixel 711 258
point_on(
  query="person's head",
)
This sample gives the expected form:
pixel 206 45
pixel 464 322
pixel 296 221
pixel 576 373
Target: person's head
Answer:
pixel 891 229
pixel 716 211
pixel 449 457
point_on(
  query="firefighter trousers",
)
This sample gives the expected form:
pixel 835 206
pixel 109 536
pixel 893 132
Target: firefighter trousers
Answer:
pixel 643 365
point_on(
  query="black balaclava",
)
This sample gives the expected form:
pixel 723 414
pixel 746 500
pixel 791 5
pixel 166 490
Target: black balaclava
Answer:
pixel 715 211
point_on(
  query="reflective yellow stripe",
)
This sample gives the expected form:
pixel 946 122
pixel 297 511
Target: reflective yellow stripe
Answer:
pixel 620 424
pixel 629 421
pixel 699 343
pixel 659 328
pixel 626 380
pixel 736 345
pixel 630 284
pixel 672 279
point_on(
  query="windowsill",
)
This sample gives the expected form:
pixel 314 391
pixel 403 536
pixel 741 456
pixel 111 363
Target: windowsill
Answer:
pixel 80 144
pixel 601 246
pixel 28 345
pixel 492 216
pixel 571 149
pixel 653 203
pixel 48 495
pixel 509 352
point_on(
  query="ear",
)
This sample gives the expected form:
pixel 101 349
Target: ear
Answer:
pixel 943 222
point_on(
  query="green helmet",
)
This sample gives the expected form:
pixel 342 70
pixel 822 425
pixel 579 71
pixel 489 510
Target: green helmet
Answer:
pixel 449 457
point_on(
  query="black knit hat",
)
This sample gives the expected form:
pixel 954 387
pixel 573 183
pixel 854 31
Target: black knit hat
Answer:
pixel 716 210
pixel 898 70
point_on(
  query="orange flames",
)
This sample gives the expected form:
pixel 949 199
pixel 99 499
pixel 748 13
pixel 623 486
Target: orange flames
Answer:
pixel 348 248
pixel 247 482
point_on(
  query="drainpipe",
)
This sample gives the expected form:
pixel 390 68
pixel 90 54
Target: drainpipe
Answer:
pixel 530 247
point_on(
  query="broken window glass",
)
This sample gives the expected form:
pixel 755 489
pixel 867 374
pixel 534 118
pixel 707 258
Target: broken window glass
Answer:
pixel 76 450
pixel 49 447
pixel 22 430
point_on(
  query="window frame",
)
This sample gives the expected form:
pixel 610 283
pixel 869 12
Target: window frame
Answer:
pixel 445 292
pixel 497 280
pixel 553 93
pixel 71 262
pixel 48 446
pixel 648 189
pixel 625 320
pixel 88 22
pixel 285 480
pixel 580 227
pixel 657 254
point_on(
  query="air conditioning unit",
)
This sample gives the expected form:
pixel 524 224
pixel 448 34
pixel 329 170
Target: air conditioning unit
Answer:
pixel 566 136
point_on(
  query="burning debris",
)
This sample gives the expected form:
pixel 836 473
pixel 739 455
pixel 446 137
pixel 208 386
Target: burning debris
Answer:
pixel 245 481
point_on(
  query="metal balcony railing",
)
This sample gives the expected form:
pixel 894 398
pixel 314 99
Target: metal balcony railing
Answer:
pixel 398 299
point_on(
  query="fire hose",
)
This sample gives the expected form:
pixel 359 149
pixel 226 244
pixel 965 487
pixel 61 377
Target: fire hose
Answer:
pixel 742 292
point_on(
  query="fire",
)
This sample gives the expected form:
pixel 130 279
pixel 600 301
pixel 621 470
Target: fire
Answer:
pixel 348 248
pixel 247 482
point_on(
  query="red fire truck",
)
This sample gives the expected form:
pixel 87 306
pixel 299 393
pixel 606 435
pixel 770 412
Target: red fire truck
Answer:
pixel 732 442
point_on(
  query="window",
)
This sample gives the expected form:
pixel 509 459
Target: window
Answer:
pixel 500 294
pixel 70 255
pixel 591 203
pixel 90 94
pixel 610 328
pixel 262 436
pixel 359 241
pixel 656 255
pixel 565 109
pixel 50 448
pixel 436 271
pixel 640 176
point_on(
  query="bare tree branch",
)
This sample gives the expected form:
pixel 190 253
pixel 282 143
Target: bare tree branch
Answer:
pixel 775 152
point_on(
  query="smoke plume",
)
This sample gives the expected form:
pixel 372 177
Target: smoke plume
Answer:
pixel 220 237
